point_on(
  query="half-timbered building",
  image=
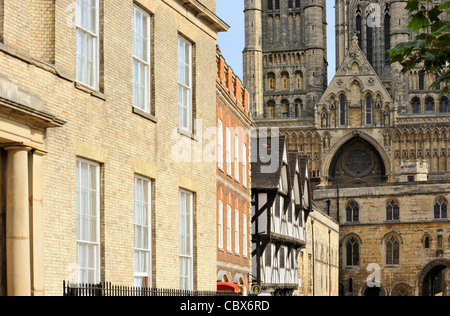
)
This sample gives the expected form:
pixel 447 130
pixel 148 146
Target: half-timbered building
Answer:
pixel 281 202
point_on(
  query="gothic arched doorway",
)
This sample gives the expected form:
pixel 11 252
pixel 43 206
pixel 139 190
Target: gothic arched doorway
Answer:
pixel 379 290
pixel 357 162
pixel 372 291
pixel 434 279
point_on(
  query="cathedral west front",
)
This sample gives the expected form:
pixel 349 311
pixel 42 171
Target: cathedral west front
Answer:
pixel 377 140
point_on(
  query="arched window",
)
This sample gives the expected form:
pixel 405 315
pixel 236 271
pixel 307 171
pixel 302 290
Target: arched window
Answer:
pixel 426 242
pixel 415 105
pixel 392 251
pixel 220 144
pixel 352 211
pixel 359 25
pixel 298 107
pixel 271 81
pixel 271 109
pixel 392 211
pixel 440 208
pixel 387 33
pixel 284 109
pixel 368 110
pixel 352 249
pixel 429 107
pixel 285 80
pixel 421 81
pixel 277 4
pixel 369 36
pixel 270 4
pixel 343 110
pixel 299 77
pixel 444 105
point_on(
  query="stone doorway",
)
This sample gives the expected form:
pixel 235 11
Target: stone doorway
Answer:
pixel 434 279
pixel 372 291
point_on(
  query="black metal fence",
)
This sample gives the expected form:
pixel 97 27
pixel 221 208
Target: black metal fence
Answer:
pixel 108 289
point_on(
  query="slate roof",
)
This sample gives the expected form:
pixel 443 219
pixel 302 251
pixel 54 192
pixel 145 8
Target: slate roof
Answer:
pixel 260 179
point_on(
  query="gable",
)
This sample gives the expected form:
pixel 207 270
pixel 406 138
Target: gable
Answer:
pixel 355 78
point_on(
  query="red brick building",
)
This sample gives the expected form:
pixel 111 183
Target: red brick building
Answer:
pixel 233 180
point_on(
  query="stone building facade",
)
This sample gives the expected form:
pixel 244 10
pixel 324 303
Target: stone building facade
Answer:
pixel 377 144
pixel 98 138
pixel 233 181
pixel 319 261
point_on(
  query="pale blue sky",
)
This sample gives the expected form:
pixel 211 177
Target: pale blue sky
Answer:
pixel 232 42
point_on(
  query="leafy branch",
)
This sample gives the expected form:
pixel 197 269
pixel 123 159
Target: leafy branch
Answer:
pixel 431 48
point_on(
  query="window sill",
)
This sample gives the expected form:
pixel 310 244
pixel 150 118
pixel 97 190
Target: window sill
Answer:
pixel 186 133
pixel 145 115
pixel 392 266
pixel 94 93
pixel 352 268
pixel 440 220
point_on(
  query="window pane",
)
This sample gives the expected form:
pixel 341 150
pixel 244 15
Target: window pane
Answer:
pixel 184 84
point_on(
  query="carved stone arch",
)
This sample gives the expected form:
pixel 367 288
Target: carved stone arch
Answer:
pixel 391 233
pixel 342 93
pixel 397 135
pixel 405 135
pixel 431 268
pixel 350 235
pixel 223 276
pixel 355 67
pixel 367 93
pixel 413 96
pixel 355 79
pixel 421 132
pixel 386 160
pixel 380 290
pixel 317 135
pixel 402 289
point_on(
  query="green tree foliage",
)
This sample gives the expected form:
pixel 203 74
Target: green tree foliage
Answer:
pixel 431 48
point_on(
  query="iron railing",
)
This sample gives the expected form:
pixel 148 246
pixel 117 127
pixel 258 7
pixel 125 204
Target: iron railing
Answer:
pixel 108 289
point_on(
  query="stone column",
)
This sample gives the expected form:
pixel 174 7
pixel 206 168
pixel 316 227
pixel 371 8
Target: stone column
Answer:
pixel 17 222
pixel 36 223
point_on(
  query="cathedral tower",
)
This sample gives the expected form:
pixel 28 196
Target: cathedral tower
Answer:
pixel 285 65
pixel 252 55
pixel 381 25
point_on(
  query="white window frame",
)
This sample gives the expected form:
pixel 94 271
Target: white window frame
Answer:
pixel 236 231
pixel 186 239
pixel 141 64
pixel 244 235
pixel 228 153
pixel 220 144
pixel 236 157
pixel 229 241
pixel 83 33
pixel 185 96
pixel 244 164
pixel 84 244
pixel 142 254
pixel 220 226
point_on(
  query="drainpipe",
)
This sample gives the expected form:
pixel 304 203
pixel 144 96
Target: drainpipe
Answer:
pixel 329 262
pixel 313 259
